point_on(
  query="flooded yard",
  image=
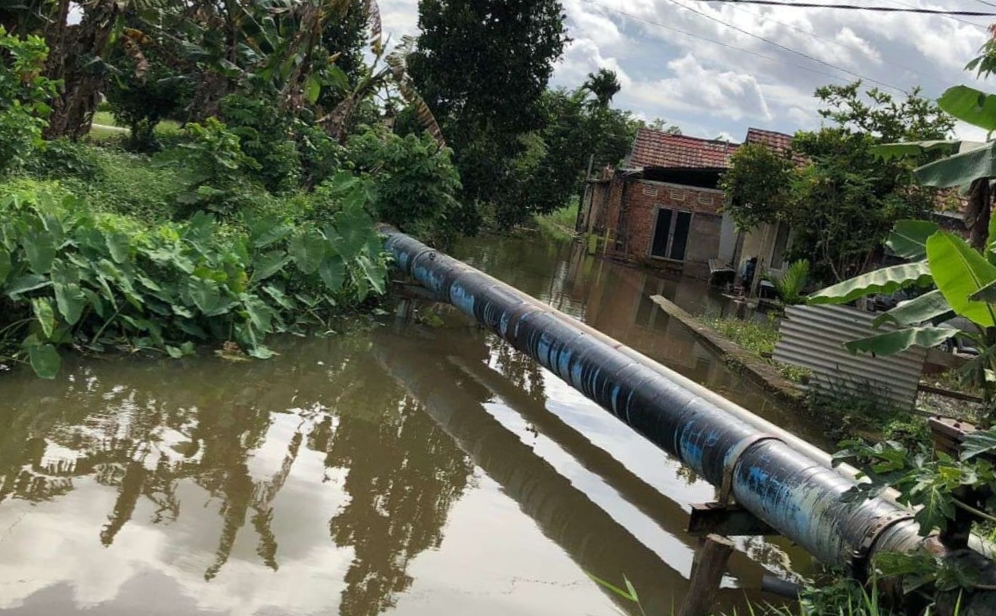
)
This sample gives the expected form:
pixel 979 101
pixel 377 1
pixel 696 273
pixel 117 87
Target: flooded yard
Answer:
pixel 408 470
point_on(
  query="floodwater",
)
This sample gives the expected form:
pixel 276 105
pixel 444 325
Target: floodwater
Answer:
pixel 404 470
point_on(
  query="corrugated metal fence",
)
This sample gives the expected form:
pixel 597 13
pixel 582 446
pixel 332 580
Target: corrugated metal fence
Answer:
pixel 813 337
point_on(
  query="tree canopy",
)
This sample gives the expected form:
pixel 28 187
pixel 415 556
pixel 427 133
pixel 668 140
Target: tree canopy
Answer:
pixel 839 196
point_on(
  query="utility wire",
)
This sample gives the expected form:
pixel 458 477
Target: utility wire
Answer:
pixel 715 42
pixel 948 17
pixel 858 7
pixel 915 71
pixel 986 3
pixel 783 47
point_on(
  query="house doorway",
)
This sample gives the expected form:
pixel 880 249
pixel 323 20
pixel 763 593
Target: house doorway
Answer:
pixel 671 234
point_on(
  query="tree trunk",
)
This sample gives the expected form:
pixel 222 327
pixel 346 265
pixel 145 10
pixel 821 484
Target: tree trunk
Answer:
pixel 71 60
pixel 979 213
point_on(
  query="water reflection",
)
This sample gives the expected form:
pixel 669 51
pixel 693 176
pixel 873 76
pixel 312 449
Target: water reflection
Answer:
pixel 128 427
pixel 418 471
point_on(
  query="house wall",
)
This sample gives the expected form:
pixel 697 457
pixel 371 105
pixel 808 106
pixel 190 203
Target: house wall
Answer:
pixel 640 201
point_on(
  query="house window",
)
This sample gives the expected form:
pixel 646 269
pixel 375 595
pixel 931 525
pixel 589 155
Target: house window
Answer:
pixel 650 191
pixel 671 234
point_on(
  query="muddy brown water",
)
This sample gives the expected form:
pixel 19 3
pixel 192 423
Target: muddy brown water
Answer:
pixel 408 469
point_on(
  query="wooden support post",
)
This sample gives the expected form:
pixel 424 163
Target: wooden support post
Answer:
pixel 708 567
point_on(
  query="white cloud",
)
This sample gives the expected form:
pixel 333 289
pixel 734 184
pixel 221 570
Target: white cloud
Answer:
pixel 695 87
pixel 667 69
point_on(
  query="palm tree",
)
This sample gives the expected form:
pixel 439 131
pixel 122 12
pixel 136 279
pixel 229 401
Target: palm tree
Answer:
pixel 603 85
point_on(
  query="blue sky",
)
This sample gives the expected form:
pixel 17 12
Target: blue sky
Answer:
pixel 710 90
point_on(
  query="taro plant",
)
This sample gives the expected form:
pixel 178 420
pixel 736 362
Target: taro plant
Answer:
pixel 73 278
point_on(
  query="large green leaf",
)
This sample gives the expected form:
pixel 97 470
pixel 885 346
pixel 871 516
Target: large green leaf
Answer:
pixel 914 148
pixel 308 249
pixel 918 310
pixel 978 443
pixel 960 272
pixel 970 105
pixel 312 88
pixel 961 169
pixel 23 284
pixel 936 508
pixel 206 294
pixel 268 264
pixel 886 280
pixel 5 266
pixel 45 360
pixel 118 245
pixel 39 248
pixel 259 313
pixel 374 272
pixel 71 300
pixel 909 238
pixel 898 341
pixel 42 307
pixel 333 272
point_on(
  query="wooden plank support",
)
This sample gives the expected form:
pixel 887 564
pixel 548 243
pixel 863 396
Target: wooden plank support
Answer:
pixel 408 290
pixel 726 520
pixel 708 567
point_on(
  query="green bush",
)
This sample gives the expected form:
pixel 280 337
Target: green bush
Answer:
pixel 72 277
pixel 23 96
pixel 129 184
pixel 265 136
pixel 415 182
pixel 213 166
pixel 61 158
pixel 321 155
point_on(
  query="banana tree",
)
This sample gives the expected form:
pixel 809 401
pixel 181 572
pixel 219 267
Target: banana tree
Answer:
pixel 954 280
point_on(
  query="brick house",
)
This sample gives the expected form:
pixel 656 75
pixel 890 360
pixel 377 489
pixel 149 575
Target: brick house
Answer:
pixel 662 207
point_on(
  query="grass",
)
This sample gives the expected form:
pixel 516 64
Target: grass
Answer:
pixel 105 125
pixel 129 184
pixel 758 338
pixel 559 224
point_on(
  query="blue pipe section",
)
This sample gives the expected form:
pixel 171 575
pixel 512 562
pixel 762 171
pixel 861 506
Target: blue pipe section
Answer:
pixel 790 492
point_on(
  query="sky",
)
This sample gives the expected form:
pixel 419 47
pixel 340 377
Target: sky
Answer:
pixel 703 66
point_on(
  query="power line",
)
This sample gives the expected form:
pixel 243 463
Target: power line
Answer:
pixel 715 42
pixel 857 7
pixel 948 17
pixel 783 47
pixel 915 71
pixel 986 3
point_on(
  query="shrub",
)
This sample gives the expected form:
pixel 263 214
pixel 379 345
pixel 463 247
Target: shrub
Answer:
pixel 265 136
pixel 789 285
pixel 213 167
pixel 415 181
pixel 72 277
pixel 62 158
pixel 23 96
pixel 321 155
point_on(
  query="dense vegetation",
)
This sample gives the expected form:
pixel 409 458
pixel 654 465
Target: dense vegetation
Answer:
pixel 838 196
pixel 292 128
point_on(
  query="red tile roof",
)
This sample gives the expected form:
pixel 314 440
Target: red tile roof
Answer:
pixel 779 142
pixel 654 148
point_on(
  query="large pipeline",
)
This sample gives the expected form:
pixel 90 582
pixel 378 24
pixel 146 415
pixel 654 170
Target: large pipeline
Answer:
pixel 791 492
